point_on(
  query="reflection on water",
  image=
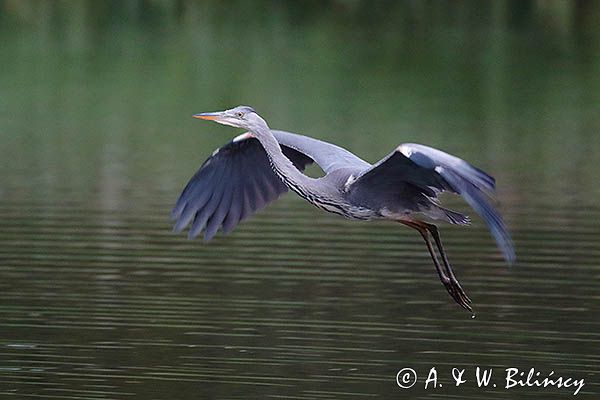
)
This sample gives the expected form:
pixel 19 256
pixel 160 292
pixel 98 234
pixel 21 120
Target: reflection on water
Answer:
pixel 98 299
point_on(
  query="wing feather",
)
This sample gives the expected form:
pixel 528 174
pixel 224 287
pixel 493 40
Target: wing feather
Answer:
pixel 428 157
pixel 328 156
pixel 191 200
pixel 234 212
pixel 475 198
pixel 205 214
pixel 411 176
pixel 195 192
pixel 219 215
pixel 246 205
pixel 232 184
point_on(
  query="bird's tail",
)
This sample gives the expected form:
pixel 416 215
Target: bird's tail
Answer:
pixel 434 210
pixel 455 217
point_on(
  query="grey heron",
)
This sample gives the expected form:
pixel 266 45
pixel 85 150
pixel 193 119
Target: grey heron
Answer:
pixel 261 164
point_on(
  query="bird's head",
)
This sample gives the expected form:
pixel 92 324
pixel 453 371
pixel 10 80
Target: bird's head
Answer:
pixel 239 117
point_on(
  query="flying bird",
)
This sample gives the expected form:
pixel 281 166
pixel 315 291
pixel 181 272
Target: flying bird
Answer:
pixel 261 164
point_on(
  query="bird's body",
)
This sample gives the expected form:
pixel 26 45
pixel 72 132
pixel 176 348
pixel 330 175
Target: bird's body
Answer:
pixel 258 166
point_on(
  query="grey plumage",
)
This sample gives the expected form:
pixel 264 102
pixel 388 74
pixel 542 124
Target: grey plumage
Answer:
pixel 257 167
pixel 232 184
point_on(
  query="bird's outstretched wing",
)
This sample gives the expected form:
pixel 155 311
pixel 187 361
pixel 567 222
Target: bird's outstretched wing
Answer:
pixel 232 184
pixel 328 156
pixel 425 171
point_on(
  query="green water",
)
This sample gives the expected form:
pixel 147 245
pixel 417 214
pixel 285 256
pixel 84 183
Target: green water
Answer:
pixel 99 300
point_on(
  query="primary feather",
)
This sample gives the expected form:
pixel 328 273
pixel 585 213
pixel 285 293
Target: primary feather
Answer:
pixel 232 184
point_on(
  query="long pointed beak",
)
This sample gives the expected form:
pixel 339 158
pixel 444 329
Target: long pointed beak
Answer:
pixel 210 116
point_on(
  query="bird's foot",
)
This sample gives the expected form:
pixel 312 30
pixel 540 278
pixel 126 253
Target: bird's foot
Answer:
pixel 457 293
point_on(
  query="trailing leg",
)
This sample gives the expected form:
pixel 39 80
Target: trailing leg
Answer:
pixel 445 273
pixel 436 236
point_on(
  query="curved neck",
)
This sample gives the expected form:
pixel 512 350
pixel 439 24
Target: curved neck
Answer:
pixel 283 167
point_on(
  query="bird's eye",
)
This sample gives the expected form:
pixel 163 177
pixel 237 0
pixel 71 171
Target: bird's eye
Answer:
pixel 240 115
